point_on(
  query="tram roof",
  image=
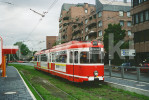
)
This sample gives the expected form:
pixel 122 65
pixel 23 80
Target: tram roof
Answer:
pixel 70 45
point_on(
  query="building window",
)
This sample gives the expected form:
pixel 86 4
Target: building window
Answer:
pixel 129 33
pixel 86 29
pixel 147 15
pixel 136 19
pixel 121 13
pixel 128 23
pixel 90 18
pixel 141 17
pixel 82 31
pixel 128 14
pixel 99 14
pixel 141 1
pixel 86 38
pixel 122 23
pixel 86 21
pixel 100 23
pixel 100 33
pixel 86 11
pixel 94 16
pixel 133 19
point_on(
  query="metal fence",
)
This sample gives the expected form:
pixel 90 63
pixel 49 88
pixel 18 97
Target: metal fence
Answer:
pixel 132 73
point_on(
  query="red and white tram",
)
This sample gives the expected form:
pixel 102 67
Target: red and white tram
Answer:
pixel 76 61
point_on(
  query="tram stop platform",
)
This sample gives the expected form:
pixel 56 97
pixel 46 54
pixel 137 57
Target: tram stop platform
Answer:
pixel 128 85
pixel 13 86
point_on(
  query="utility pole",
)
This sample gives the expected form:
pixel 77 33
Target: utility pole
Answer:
pixel 9 57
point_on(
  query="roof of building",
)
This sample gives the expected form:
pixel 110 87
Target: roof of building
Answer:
pixel 66 6
pixel 112 5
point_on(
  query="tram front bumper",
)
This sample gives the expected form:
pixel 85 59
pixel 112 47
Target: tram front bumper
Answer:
pixel 96 78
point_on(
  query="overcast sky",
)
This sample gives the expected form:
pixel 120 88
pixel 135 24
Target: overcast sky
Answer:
pixel 19 23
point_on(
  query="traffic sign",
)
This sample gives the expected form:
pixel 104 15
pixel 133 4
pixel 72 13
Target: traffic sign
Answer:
pixel 128 52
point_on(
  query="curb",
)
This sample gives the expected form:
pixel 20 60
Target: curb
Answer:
pixel 33 97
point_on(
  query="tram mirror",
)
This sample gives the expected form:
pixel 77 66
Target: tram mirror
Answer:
pixel 0 50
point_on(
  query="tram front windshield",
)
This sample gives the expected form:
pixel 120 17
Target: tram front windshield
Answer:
pixel 86 57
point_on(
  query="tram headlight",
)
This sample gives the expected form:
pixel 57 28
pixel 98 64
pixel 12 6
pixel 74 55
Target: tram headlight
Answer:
pixel 96 73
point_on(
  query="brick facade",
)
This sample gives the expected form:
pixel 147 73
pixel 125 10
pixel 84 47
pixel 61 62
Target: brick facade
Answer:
pixel 50 40
pixel 140 15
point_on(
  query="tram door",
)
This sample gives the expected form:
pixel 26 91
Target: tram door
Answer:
pixel 73 60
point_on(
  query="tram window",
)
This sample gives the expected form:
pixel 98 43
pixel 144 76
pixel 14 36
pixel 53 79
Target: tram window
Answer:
pixel 38 58
pixel 71 57
pixel 57 57
pixel 61 57
pixel 95 58
pixel 84 57
pixel 76 56
pixel 44 57
pixel 35 58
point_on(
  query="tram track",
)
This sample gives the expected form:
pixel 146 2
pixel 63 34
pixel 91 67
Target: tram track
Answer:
pixel 54 90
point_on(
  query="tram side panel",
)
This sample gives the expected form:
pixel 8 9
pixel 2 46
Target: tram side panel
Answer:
pixel 69 70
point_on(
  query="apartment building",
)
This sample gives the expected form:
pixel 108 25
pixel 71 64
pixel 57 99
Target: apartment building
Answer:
pixel 88 22
pixel 72 21
pixel 140 28
pixel 50 40
pixel 113 12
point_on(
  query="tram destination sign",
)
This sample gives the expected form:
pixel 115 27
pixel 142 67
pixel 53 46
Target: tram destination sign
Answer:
pixel 128 52
pixel 94 50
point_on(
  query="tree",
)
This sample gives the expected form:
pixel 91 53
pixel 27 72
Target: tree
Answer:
pixel 119 34
pixel 23 48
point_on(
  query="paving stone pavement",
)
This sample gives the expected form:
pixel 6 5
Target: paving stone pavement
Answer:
pixel 13 83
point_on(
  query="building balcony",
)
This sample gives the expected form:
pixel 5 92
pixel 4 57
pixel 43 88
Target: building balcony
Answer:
pixel 63 33
pixel 99 38
pixel 66 17
pixel 60 19
pixel 60 30
pixel 78 38
pixel 60 24
pixel 92 22
pixel 76 31
pixel 92 30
